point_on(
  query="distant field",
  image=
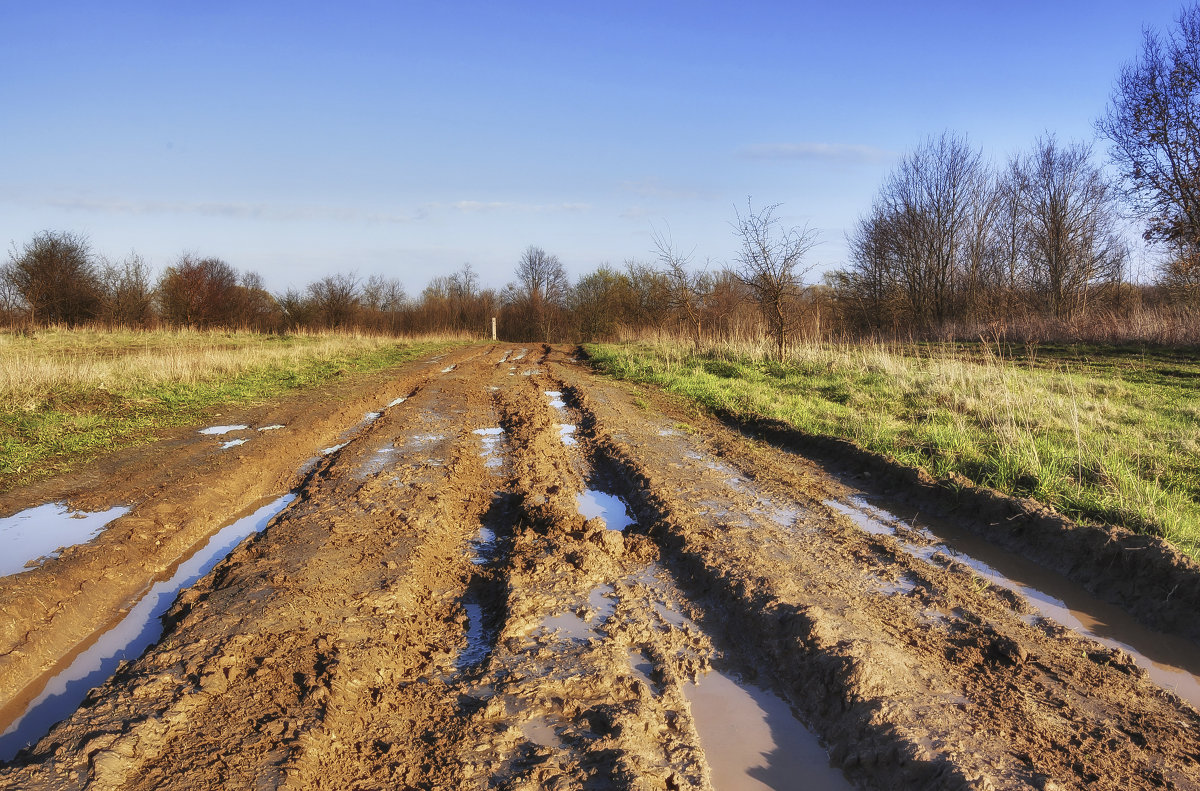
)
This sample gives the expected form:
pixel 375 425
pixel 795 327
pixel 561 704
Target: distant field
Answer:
pixel 1102 434
pixel 66 395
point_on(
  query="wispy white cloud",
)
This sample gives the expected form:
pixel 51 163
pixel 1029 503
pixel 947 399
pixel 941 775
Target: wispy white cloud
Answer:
pixel 285 213
pixel 474 206
pixel 230 210
pixel 828 152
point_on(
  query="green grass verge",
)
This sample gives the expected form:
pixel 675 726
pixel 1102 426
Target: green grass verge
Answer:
pixel 54 429
pixel 1102 435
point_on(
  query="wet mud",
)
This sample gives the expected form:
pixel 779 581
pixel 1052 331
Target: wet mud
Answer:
pixel 498 570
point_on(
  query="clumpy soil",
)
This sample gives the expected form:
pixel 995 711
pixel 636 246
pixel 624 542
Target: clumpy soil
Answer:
pixel 433 611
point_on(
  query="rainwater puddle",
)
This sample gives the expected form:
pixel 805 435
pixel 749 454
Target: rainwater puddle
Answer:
pixel 428 437
pixel 752 740
pixel 556 399
pixel 448 369
pixel 541 732
pixel 396 402
pixel 901 587
pixel 532 372
pixel 568 625
pixel 29 717
pixel 483 546
pixel 233 443
pixel 477 643
pixel 372 416
pixel 612 509
pixel 602 603
pixel 219 430
pixel 1171 662
pixel 566 432
pixel 272 427
pixel 491 438
pixel 333 448
pixel 522 354
pixel 641 666
pixel 40 532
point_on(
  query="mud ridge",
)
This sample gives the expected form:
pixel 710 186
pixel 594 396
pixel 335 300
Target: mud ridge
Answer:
pixel 1142 574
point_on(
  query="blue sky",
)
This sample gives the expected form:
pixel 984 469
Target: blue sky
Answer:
pixel 299 139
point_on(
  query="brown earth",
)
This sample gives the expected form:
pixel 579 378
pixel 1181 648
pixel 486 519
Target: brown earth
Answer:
pixel 433 611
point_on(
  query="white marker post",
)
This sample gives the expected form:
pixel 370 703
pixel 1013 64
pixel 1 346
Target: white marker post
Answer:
pixel 493 328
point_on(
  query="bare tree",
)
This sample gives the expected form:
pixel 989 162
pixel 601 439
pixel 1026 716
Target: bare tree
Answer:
pixel 198 292
pixel 55 276
pixel 771 262
pixel 126 292
pixel 688 291
pixel 335 299
pixel 536 300
pixel 1153 124
pixel 1072 224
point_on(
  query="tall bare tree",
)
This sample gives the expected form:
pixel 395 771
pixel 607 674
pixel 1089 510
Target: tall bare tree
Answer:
pixel 1072 224
pixel 1153 125
pixel 771 262
pixel 536 299
pixel 688 290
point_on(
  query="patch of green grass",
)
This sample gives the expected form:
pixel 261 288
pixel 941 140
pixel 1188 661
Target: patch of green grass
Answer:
pixel 1109 435
pixel 77 394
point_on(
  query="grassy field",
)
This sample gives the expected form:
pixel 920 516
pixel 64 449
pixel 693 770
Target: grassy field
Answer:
pixel 67 395
pixel 1106 435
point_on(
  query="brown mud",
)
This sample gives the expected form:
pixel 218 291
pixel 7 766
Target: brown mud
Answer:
pixel 433 611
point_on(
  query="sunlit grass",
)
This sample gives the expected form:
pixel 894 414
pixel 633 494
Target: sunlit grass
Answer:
pixel 67 395
pixel 1101 435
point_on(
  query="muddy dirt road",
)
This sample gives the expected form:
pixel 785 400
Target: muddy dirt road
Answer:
pixel 498 570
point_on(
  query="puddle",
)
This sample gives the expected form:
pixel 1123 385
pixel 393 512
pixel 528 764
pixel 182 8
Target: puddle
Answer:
pixel 41 532
pixel 602 603
pixel 565 432
pixel 568 625
pixel 491 438
pixel 540 731
pixel 396 401
pixel 521 356
pixel 372 416
pixel 448 369
pixel 483 546
pixel 901 587
pixel 752 740
pixel 333 448
pixel 219 430
pixel 428 437
pixel 532 372
pixel 641 666
pixel 233 443
pixel 612 509
pixel 272 427
pixel 477 643
pixel 1171 662
pixel 28 719
pixel 556 399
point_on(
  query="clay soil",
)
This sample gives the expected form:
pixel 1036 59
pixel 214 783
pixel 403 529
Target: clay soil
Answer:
pixel 433 611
